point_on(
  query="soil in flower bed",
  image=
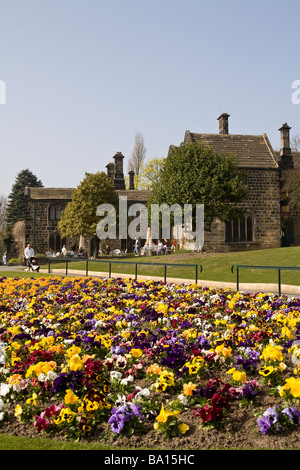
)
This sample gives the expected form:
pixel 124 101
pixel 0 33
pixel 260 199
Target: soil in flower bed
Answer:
pixel 239 431
pixel 85 330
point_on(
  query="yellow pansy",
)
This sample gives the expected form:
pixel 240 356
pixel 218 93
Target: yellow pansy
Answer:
pixel 70 397
pixel 164 415
pixel 189 388
pixel 136 352
pixel 183 428
pixel 76 363
pixel 18 411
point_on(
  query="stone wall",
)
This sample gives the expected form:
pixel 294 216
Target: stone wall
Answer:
pixel 264 205
pixel 39 227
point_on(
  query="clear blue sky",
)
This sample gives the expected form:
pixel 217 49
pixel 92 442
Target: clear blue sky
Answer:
pixel 83 76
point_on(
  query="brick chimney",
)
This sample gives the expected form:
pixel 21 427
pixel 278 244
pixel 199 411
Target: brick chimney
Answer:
pixel 111 171
pixel 286 159
pixel 131 179
pixel 119 175
pixel 223 123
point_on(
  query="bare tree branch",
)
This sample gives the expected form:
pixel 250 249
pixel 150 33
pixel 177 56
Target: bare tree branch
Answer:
pixel 295 143
pixel 138 154
pixel 3 203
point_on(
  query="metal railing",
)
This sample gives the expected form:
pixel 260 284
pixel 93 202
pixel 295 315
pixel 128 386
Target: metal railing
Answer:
pixel 278 268
pixel 110 262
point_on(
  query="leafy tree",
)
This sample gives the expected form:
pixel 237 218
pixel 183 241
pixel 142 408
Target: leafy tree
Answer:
pixel 149 173
pixel 290 189
pixel 194 174
pixel 16 203
pixel 79 216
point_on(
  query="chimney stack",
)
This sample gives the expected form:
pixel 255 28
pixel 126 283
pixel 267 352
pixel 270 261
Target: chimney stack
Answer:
pixel 111 171
pixel 223 123
pixel 131 179
pixel 119 175
pixel 285 139
pixel 286 160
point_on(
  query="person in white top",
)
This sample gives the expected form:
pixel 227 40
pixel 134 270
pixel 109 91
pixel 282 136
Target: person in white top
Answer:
pixel 29 254
pixel 64 250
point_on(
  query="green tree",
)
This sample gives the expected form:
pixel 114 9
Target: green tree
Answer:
pixel 149 173
pixel 16 202
pixel 79 216
pixel 194 174
pixel 290 189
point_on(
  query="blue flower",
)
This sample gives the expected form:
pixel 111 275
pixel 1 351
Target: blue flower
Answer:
pixel 271 414
pixel 264 424
pixel 293 414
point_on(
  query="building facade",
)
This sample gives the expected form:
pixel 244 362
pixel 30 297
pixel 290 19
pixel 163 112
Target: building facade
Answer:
pixel 260 227
pixel 45 205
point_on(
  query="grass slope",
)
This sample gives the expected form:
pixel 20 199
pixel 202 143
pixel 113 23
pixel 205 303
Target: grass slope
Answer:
pixel 216 267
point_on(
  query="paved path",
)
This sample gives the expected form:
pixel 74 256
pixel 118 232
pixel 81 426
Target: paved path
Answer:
pixel 245 287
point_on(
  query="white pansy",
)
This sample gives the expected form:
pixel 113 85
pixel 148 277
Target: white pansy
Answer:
pixel 51 375
pixel 127 380
pixel 4 389
pixel 115 375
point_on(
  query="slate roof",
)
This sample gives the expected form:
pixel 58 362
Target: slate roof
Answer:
pixel 253 151
pixel 49 193
pixel 135 195
pixel 66 194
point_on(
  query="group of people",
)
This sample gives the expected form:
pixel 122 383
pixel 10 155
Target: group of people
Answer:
pixel 66 253
pixel 161 248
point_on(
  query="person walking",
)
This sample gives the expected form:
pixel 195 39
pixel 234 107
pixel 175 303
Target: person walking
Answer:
pixel 29 255
pixel 136 247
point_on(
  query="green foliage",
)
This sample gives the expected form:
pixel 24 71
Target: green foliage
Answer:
pixel 193 174
pixel 79 217
pixel 16 200
pixel 290 190
pixel 149 173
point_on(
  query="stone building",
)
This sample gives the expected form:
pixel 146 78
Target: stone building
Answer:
pixel 261 226
pixel 44 207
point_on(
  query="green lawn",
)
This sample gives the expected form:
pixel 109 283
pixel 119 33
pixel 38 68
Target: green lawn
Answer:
pixel 216 267
pixel 8 442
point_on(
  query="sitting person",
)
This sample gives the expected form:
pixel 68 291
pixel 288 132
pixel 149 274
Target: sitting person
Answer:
pixel 160 247
pixel 81 252
pixel 64 251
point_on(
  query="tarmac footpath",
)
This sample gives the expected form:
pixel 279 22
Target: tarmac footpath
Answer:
pixel 288 290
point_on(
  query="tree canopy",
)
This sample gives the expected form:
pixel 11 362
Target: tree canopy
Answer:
pixel 149 173
pixel 290 190
pixel 16 203
pixel 79 216
pixel 194 174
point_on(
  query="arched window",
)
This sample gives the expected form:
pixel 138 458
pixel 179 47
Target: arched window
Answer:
pixel 55 242
pixel 240 230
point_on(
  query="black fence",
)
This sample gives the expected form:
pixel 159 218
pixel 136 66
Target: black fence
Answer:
pixel 197 267
pixel 276 268
pixel 131 263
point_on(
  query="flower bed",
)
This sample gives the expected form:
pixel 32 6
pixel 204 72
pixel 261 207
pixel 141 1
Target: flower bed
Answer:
pixel 148 364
